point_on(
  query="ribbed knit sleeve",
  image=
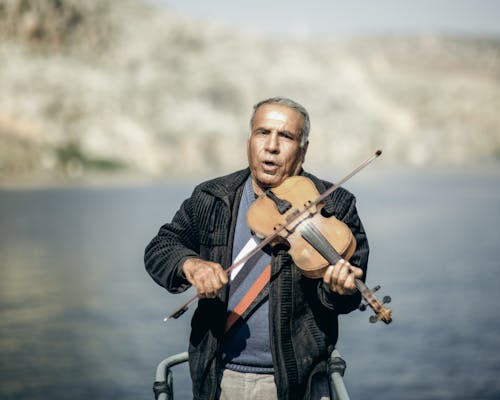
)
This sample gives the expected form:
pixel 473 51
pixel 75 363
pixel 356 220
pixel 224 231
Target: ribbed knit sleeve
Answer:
pixel 175 242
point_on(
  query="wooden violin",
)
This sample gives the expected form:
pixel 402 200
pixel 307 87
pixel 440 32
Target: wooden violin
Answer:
pixel 314 241
pixel 298 220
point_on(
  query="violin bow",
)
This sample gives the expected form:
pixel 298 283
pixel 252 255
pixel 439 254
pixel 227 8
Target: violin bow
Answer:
pixel 294 217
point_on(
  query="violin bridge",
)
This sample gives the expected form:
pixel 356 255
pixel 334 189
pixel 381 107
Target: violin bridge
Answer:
pixel 311 207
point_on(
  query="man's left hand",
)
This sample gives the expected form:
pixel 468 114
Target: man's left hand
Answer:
pixel 341 276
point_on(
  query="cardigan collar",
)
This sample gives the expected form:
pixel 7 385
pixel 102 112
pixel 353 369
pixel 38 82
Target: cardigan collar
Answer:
pixel 225 187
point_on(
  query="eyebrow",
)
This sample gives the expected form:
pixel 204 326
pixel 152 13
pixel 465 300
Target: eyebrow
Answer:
pixel 285 131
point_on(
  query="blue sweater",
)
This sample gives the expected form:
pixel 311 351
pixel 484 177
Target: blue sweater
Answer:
pixel 246 346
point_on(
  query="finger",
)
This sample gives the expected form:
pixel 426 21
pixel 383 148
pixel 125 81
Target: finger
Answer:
pixel 350 285
pixel 336 271
pixel 199 280
pixel 189 276
pixel 199 283
pixel 358 272
pixel 327 277
pixel 190 267
pixel 207 289
pixel 215 278
pixel 214 282
pixel 222 275
pixel 343 274
pixel 339 276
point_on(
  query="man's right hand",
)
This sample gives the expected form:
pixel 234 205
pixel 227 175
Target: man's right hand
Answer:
pixel 207 277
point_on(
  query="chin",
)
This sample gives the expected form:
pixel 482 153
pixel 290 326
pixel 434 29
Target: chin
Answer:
pixel 270 183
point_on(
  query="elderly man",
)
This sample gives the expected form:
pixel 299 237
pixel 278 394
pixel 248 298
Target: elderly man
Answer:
pixel 279 345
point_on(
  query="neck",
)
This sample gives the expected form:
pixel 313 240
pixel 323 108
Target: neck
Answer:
pixel 258 190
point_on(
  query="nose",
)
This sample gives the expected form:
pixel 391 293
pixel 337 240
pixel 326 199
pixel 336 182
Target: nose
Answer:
pixel 272 143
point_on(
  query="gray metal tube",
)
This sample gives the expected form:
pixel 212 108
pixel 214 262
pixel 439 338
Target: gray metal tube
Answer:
pixel 336 369
pixel 163 385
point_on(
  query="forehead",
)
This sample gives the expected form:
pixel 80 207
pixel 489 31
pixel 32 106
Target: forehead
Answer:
pixel 278 115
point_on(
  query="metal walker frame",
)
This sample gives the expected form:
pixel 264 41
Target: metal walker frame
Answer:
pixel 163 385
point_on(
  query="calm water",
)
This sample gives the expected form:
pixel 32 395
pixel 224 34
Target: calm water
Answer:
pixel 80 318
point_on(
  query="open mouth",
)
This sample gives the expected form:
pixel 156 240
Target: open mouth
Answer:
pixel 270 165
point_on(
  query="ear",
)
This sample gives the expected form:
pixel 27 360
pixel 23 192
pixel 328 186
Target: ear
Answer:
pixel 304 151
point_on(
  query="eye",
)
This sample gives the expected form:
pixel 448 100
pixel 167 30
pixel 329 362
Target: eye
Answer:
pixel 287 135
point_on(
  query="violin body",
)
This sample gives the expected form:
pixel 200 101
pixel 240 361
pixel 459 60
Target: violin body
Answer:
pixel 263 218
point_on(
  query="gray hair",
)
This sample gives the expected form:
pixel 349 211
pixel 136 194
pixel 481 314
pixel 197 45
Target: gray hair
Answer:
pixel 284 101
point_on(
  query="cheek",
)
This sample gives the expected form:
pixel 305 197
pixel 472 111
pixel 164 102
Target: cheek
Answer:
pixel 294 159
pixel 254 148
pixel 250 151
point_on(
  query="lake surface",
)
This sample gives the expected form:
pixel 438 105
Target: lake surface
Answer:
pixel 81 319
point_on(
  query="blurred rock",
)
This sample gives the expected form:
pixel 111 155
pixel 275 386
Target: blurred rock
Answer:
pixel 91 87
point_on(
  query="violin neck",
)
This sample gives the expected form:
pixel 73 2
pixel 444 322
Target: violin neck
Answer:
pixel 315 238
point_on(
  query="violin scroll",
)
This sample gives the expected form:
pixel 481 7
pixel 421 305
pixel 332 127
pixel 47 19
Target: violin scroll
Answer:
pixel 382 313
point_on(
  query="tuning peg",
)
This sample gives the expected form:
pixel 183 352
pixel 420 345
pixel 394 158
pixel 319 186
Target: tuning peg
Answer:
pixel 386 299
pixel 373 319
pixel 363 306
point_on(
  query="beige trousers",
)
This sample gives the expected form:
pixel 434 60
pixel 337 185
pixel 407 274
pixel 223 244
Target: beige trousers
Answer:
pixel 248 386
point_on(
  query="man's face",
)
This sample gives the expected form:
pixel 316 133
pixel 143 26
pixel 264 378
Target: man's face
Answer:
pixel 274 151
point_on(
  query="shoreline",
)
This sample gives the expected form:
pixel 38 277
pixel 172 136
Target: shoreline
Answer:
pixel 117 180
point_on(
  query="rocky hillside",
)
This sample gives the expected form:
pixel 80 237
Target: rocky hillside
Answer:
pixel 100 86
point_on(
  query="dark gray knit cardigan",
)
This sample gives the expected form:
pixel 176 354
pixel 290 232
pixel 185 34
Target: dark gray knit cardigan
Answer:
pixel 303 314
